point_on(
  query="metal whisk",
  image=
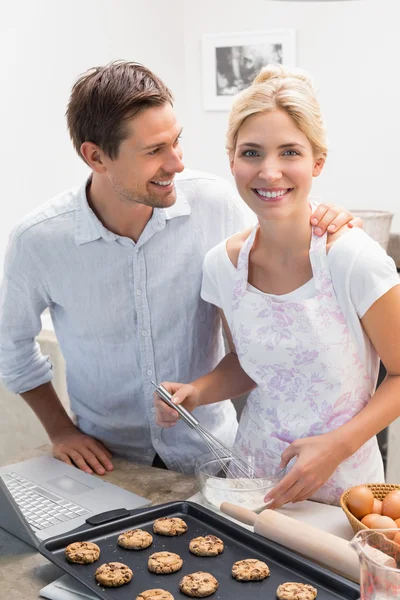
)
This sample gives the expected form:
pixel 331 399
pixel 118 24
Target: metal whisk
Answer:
pixel 230 461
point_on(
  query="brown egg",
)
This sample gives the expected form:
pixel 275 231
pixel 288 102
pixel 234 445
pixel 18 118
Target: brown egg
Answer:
pixel 369 520
pixel 380 522
pixel 397 521
pixel 360 501
pixel 377 507
pixel 391 505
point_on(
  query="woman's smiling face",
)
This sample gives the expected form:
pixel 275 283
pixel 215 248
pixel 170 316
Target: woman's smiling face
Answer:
pixel 273 165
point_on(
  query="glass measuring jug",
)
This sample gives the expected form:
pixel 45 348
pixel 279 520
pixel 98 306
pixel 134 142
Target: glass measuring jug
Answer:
pixel 379 563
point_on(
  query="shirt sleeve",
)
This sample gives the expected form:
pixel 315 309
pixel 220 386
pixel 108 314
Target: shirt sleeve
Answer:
pixel 242 216
pixel 210 290
pixel 372 273
pixel 23 298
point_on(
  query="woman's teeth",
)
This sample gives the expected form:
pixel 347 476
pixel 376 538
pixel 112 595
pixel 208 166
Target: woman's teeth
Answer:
pixel 266 194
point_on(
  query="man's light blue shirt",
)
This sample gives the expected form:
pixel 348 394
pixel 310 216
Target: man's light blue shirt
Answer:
pixel 124 314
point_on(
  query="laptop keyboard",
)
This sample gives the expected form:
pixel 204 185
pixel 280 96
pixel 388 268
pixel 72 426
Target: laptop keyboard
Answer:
pixel 40 508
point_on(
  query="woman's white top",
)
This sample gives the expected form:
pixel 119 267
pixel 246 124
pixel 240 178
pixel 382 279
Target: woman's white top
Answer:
pixel 361 273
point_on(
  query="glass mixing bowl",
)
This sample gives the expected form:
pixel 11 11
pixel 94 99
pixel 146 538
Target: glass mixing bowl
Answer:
pixel 216 487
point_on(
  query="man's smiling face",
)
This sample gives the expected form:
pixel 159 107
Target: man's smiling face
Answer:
pixel 148 159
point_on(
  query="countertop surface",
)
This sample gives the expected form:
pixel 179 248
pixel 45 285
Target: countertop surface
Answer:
pixel 23 571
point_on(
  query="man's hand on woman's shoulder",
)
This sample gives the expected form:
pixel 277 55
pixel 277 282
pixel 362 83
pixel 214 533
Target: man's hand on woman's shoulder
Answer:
pixel 334 219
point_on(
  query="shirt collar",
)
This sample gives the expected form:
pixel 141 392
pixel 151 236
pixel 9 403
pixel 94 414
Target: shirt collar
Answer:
pixel 181 207
pixel 89 228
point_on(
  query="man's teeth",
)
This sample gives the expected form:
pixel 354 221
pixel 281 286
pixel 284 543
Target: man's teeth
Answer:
pixel 163 183
pixel 271 194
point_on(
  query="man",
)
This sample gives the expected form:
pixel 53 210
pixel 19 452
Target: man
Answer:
pixel 118 262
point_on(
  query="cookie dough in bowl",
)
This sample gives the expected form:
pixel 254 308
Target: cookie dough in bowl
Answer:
pixel 218 486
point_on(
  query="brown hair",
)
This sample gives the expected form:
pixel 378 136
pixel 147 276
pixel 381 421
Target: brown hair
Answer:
pixel 104 98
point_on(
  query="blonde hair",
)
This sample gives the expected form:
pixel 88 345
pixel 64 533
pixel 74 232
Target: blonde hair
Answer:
pixel 277 88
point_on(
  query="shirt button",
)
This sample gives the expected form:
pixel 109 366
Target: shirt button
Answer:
pixel 153 410
pixel 137 250
pixel 144 333
pixel 138 292
pixel 149 372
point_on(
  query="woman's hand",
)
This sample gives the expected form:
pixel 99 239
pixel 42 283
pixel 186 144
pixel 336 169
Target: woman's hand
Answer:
pixel 317 459
pixel 186 394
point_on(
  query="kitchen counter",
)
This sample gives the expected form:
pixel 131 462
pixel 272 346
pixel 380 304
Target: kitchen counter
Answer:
pixel 23 571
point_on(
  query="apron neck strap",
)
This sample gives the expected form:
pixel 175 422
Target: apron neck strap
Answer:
pixel 318 259
pixel 242 270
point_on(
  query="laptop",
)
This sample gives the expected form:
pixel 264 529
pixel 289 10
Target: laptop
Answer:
pixel 44 497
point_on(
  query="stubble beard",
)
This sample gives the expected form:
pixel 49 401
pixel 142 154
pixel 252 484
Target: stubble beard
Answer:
pixel 127 196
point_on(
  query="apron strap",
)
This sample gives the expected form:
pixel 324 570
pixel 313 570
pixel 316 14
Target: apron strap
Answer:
pixel 242 270
pixel 319 263
pixel 318 259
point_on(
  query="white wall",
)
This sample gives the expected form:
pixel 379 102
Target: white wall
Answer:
pixel 350 48
pixel 352 51
pixel 44 46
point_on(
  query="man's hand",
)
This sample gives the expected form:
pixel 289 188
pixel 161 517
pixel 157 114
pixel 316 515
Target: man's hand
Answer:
pixel 185 394
pixel 88 454
pixel 328 217
pixel 317 459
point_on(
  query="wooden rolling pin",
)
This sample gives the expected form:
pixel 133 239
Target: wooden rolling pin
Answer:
pixel 326 549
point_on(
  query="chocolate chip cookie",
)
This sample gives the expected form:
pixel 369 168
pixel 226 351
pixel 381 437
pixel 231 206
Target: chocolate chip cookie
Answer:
pixel 155 595
pixel 135 539
pixel 83 553
pixel 198 585
pixel 296 591
pixel 209 545
pixel 113 574
pixel 164 563
pixel 169 526
pixel 250 569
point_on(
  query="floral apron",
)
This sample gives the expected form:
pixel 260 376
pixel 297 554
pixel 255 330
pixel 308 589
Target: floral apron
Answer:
pixel 307 368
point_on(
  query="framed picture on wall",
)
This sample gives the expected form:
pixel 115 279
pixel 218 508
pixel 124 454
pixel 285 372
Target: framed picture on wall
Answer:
pixel 231 61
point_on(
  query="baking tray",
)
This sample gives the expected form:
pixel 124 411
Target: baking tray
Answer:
pixel 239 543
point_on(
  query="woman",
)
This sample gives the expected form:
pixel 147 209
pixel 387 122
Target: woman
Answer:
pixel 306 317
